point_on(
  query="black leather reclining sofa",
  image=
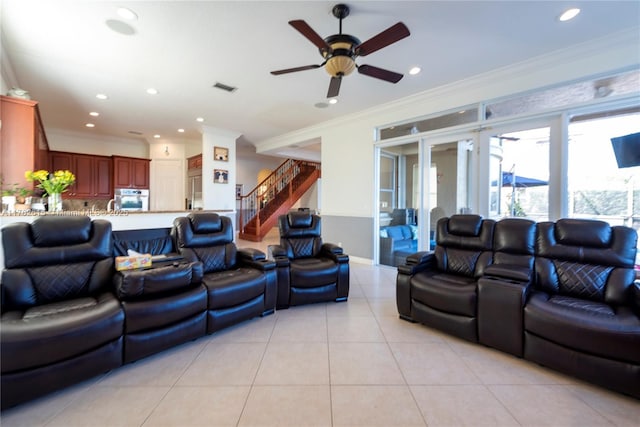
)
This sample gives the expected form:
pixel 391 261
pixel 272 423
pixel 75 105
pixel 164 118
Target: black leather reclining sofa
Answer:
pixel 561 294
pixel 67 315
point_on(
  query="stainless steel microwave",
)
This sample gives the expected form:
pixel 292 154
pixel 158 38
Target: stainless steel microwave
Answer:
pixel 131 199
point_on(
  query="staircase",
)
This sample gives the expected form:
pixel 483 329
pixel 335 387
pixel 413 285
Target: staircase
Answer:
pixel 275 196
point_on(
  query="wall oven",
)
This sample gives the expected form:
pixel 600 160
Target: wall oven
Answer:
pixel 131 199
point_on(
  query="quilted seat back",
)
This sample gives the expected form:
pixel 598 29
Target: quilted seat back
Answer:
pixel 585 259
pixel 514 242
pixel 300 234
pixel 463 245
pixel 208 238
pixel 55 258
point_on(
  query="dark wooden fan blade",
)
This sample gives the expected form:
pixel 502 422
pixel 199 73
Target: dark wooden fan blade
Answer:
pixel 334 87
pixel 310 34
pixel 379 73
pixel 293 70
pixel 384 39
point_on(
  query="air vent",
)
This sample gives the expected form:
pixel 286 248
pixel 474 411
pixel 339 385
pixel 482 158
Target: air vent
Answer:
pixel 135 132
pixel 222 86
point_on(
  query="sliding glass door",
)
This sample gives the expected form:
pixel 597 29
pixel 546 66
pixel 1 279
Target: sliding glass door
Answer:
pixel 448 180
pixel 397 236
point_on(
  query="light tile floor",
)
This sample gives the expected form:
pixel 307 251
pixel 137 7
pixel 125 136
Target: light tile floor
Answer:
pixel 335 364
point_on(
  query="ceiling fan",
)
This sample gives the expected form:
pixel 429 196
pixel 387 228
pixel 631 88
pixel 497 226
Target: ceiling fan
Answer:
pixel 340 51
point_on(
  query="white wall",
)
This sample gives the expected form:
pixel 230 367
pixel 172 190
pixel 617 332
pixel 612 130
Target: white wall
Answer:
pixel 60 140
pixel 218 196
pixel 250 165
pixel 348 146
pixel 7 75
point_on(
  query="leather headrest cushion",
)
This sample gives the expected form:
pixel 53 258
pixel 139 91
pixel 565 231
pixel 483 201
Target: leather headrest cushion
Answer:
pixel 299 219
pixel 465 225
pixel 583 232
pixel 60 230
pixel 205 222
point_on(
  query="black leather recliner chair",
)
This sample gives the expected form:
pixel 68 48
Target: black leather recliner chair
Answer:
pixel 439 288
pixel 164 305
pixel 309 270
pixel 579 317
pixel 240 283
pixel 61 323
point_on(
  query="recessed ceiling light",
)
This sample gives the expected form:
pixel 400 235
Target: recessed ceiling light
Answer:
pixel 181 130
pixel 102 96
pixel 200 119
pixel 94 114
pixel 90 125
pixel 156 136
pixel 415 70
pixel 120 27
pixel 152 91
pixel 333 101
pixel 127 14
pixel 569 14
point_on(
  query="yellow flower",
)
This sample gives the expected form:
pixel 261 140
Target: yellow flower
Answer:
pixel 56 182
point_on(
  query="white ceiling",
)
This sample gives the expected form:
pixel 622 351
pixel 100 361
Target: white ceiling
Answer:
pixel 64 53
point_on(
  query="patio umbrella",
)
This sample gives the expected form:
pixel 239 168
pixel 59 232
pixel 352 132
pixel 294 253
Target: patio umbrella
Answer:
pixel 509 179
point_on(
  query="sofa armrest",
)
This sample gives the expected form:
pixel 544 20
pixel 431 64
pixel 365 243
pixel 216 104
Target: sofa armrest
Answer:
pixel 501 313
pixel 509 272
pixel 417 262
pixel 255 258
pixel 251 254
pixel 334 252
pixel 136 284
pixel 262 264
pixel 277 251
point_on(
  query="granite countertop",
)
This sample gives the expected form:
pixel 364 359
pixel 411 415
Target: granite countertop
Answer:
pixel 98 212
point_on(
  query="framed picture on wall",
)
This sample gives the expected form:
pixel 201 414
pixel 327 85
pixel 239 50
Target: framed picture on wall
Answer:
pixel 221 154
pixel 239 191
pixel 220 176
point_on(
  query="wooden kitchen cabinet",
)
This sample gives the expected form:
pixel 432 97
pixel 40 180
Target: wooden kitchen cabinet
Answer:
pixel 130 172
pixel 194 162
pixel 23 142
pixel 93 174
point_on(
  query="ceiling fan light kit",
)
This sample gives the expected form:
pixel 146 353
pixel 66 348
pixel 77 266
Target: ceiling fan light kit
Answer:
pixel 340 51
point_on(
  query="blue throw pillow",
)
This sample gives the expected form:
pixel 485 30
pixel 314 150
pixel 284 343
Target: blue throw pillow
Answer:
pixel 414 232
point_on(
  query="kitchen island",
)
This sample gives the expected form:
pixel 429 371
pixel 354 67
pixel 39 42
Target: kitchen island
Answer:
pixel 120 220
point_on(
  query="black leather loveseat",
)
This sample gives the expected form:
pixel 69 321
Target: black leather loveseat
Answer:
pixel 561 294
pixel 68 315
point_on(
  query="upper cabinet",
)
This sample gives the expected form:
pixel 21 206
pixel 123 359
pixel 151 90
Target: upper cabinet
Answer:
pixel 130 172
pixel 194 162
pixel 93 174
pixel 23 143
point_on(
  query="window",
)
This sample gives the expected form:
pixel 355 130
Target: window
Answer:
pixel 566 95
pixel 461 116
pixel 598 188
pixel 520 179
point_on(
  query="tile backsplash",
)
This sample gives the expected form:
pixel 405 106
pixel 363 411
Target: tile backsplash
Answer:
pixel 80 204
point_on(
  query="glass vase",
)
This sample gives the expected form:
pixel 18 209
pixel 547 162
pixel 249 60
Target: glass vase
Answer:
pixel 54 202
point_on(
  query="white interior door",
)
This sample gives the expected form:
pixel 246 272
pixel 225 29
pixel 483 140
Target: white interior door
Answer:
pixel 167 185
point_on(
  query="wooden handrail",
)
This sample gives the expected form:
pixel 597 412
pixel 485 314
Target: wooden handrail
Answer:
pixel 264 200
